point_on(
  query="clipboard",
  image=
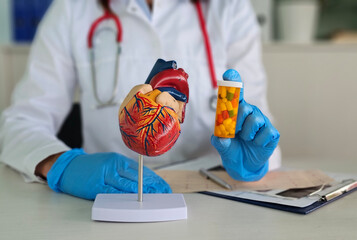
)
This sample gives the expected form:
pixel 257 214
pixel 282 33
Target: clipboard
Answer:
pixel 330 195
pixel 212 163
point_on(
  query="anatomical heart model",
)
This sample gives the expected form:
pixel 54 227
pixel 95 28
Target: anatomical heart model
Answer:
pixel 150 115
pixel 149 120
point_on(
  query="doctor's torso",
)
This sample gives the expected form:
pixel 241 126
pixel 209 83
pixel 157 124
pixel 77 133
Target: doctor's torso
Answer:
pixel 60 60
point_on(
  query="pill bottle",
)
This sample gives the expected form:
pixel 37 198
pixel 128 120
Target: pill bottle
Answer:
pixel 227 107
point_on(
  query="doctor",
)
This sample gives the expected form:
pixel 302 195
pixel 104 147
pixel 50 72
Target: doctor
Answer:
pixel 60 61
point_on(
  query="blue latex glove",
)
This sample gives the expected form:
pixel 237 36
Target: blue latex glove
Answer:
pixel 246 156
pixel 85 175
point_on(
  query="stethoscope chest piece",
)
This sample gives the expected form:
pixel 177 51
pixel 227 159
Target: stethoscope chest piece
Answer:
pixel 213 102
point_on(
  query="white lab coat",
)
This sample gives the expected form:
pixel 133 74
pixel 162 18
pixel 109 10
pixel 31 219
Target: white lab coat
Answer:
pixel 59 61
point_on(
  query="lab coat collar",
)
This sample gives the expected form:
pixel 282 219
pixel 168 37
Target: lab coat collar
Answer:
pixel 138 8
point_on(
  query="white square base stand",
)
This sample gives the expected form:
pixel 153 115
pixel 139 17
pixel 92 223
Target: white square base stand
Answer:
pixel 126 208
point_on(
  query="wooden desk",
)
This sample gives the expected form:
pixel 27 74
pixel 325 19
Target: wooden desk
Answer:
pixel 33 211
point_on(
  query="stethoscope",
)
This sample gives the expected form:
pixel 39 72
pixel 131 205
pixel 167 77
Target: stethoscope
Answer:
pixel 110 15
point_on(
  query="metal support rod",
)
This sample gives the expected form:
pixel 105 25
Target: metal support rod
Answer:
pixel 140 178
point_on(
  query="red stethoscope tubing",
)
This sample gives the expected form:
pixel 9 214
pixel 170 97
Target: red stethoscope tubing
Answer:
pixel 207 44
pixel 109 15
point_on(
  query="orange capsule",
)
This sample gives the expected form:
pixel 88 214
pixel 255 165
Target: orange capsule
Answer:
pixel 234 103
pixel 237 93
pixel 225 114
pixel 217 132
pixel 219 118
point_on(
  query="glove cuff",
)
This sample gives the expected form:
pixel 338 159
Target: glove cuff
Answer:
pixel 240 173
pixel 57 169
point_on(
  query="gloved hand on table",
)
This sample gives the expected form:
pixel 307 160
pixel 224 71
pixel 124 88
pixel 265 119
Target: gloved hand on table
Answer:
pixel 85 175
pixel 246 156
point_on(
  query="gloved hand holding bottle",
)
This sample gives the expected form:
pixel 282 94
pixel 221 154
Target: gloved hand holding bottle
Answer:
pixel 85 175
pixel 245 157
